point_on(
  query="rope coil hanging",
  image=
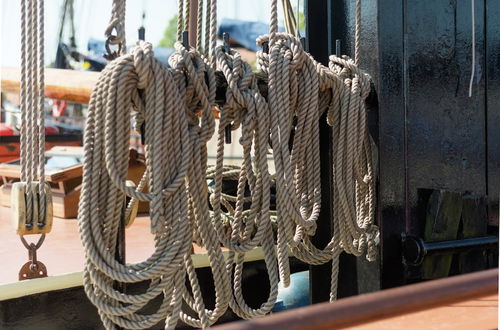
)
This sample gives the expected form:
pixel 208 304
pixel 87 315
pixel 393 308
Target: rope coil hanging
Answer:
pixel 175 105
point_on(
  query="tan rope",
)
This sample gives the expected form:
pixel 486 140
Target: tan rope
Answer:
pixel 291 23
pixel 117 24
pixel 357 33
pixel 32 132
pixel 176 181
pixel 169 103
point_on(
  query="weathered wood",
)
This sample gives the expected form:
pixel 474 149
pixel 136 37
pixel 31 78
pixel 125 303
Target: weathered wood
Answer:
pixel 353 311
pixel 70 85
pixel 442 221
pixel 76 86
pixel 474 224
pixel 18 207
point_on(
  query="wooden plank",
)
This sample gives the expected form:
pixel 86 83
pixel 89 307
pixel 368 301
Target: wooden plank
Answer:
pixel 70 85
pixel 474 224
pixel 441 224
pixel 379 305
pixel 479 314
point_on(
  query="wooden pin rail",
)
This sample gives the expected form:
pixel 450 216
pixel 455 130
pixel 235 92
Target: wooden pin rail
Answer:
pixel 76 86
pixel 379 305
pixel 69 85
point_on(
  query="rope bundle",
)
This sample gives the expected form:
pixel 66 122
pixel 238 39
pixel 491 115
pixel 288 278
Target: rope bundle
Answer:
pixel 175 107
pixel 32 132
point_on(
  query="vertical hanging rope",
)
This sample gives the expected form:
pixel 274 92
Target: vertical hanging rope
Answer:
pixel 176 105
pixel 32 133
pixel 213 30
pixel 117 25
pixel 199 28
pixel 33 105
pixel 180 19
pixel 357 33
pixel 473 32
pixel 41 106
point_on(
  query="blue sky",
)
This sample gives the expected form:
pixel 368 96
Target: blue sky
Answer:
pixel 91 18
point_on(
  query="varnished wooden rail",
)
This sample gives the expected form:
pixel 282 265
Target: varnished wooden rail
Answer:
pixel 379 305
pixel 69 85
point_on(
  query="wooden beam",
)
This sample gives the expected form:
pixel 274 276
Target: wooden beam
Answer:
pixel 357 310
pixel 76 86
pixel 64 281
pixel 69 85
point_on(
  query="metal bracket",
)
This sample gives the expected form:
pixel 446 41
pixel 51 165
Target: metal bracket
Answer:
pixel 415 249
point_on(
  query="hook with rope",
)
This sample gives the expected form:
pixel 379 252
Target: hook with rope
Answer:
pixel 31 199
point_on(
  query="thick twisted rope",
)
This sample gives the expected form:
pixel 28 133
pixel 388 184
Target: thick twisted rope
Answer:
pixel 33 111
pixel 177 188
pixel 117 25
pixel 175 106
pixel 357 33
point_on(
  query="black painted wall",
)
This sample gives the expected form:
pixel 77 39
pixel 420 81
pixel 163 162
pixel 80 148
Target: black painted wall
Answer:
pixel 430 133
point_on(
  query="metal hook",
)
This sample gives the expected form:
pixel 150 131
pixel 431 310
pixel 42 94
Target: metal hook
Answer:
pixel 28 245
pixel 111 54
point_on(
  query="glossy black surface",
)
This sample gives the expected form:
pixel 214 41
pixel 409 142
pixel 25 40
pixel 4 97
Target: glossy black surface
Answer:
pixel 317 44
pixel 431 135
pixel 492 16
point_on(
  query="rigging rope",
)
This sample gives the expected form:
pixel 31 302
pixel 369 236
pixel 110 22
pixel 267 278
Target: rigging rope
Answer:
pixel 32 132
pixel 175 106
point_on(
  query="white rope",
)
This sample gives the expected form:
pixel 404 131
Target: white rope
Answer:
pixel 169 103
pixel 32 132
pixel 357 33
pixel 473 28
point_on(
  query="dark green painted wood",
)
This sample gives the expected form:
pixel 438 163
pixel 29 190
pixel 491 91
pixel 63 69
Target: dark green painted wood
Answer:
pixel 441 224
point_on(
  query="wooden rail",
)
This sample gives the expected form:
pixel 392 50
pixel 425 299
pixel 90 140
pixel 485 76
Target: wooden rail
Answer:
pixel 69 85
pixel 76 86
pixel 379 305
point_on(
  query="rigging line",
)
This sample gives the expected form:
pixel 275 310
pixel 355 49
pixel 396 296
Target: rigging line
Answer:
pixel 473 68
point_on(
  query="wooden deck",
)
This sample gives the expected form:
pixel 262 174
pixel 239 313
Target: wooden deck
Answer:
pixel 62 251
pixel 477 314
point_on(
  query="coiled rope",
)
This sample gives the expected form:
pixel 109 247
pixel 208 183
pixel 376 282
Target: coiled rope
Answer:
pixel 175 106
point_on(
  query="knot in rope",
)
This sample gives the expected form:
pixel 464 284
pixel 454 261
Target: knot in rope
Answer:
pixel 143 57
pixel 200 86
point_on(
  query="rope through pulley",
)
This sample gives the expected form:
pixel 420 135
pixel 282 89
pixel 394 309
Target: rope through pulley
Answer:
pixel 31 201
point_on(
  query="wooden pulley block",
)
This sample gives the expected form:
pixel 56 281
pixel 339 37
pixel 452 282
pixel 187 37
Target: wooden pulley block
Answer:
pixel 130 217
pixel 19 210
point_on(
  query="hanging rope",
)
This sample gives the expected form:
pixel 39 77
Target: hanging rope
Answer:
pixel 176 164
pixel 31 203
pixel 357 33
pixel 291 22
pixel 175 106
pixel 473 41
pixel 33 115
pixel 116 25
